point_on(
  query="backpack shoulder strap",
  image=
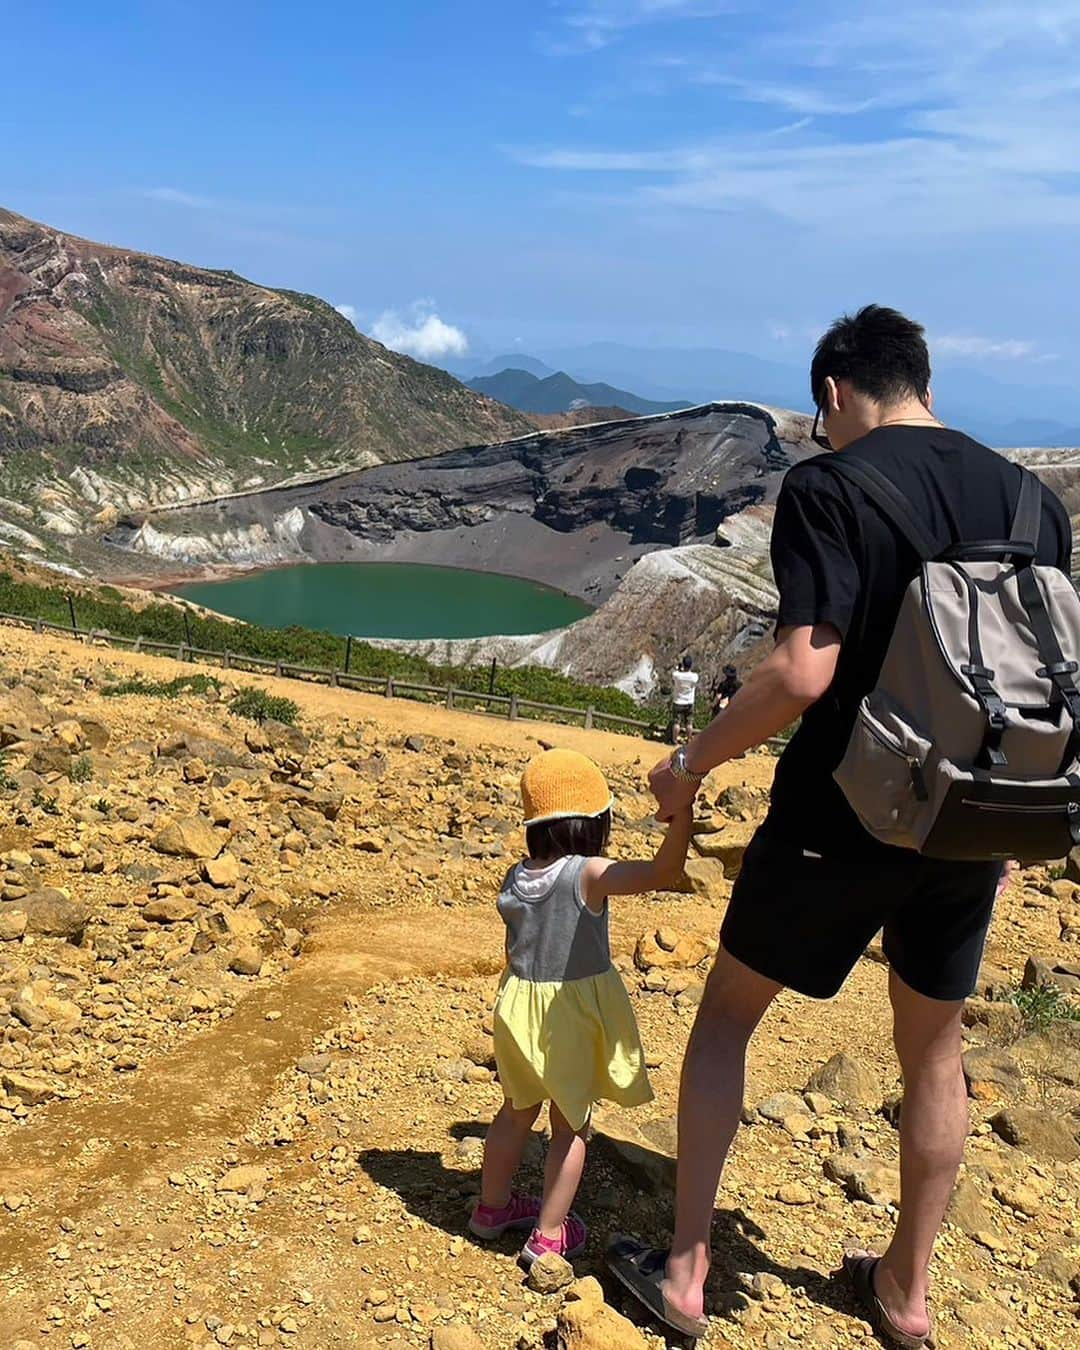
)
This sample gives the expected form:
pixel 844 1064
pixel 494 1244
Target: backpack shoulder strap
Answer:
pixel 1027 518
pixel 893 503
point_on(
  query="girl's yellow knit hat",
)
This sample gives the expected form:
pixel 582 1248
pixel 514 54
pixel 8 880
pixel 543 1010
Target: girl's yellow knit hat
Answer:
pixel 558 784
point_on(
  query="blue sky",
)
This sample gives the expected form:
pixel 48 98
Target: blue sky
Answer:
pixel 657 172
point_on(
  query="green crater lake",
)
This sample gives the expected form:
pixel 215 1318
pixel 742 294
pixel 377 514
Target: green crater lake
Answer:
pixel 391 600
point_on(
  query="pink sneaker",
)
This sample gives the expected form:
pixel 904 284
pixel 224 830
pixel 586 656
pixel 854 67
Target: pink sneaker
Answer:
pixel 522 1211
pixel 569 1243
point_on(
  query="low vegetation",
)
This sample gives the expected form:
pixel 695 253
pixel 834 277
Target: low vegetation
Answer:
pixel 105 609
pixel 1044 1005
pixel 263 707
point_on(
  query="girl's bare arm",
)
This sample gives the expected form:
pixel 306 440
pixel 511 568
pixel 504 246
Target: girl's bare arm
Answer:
pixel 602 877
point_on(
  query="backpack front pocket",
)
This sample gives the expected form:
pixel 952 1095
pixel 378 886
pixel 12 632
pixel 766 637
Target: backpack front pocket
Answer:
pixel 883 775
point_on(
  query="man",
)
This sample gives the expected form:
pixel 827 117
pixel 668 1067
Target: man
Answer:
pixel 684 682
pixel 814 886
pixel 726 689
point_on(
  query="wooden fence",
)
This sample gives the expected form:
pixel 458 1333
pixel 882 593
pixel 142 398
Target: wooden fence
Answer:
pixel 468 700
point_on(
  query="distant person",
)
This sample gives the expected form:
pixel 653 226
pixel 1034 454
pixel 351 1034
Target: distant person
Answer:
pixel 725 691
pixel 684 683
pixel 564 1028
pixel 816 885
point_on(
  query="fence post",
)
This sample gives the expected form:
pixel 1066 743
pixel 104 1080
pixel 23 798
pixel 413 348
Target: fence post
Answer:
pixel 513 707
pixel 226 660
pixel 278 670
pixel 491 677
pixel 138 643
pixel 389 686
pixel 348 652
pixel 589 717
pixel 449 695
pixel 333 679
pixel 74 620
pixel 38 627
pixel 180 652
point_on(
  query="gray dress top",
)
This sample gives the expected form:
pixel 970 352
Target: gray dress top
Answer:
pixel 552 935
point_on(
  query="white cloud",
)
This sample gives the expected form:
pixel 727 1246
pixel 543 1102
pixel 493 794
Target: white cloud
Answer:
pixel 420 332
pixel 915 120
pixel 177 197
pixel 349 311
pixel 1005 348
pixel 590 25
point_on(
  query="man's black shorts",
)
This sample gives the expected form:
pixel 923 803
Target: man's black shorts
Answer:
pixel 804 921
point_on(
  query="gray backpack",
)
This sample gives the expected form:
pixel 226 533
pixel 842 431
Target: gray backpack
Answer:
pixel 968 746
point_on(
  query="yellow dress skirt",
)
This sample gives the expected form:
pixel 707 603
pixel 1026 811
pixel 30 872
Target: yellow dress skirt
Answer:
pixel 573 1043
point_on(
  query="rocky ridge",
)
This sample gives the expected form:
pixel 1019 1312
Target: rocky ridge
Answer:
pixel 128 380
pixel 246 979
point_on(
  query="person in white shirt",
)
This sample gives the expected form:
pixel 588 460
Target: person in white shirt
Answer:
pixel 684 681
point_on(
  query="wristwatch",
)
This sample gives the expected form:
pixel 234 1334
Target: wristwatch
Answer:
pixel 680 769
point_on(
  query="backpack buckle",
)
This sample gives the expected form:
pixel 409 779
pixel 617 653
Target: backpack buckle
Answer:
pixel 1058 668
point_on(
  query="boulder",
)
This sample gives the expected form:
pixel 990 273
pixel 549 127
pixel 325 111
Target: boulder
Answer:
pixel 12 924
pixel 550 1273
pixel 848 1081
pixel 864 1177
pixel 684 950
pixel 727 846
pixel 780 1106
pixel 189 837
pixel 586 1325
pixel 245 958
pixel 992 1073
pixel 30 1090
pixel 21 714
pixel 51 913
pixel 968 1212
pixel 455 1338
pixel 51 760
pixel 222 871
pixel 647 1158
pixel 1055 1052
pixel 1037 1132
pixel 170 909
pixel 1046 972
pixel 249 1180
pixel 705 877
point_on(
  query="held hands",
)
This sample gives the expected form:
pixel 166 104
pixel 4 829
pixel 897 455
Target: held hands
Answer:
pixel 671 793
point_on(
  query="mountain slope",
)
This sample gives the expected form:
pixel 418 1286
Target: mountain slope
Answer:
pixel 127 379
pixel 560 392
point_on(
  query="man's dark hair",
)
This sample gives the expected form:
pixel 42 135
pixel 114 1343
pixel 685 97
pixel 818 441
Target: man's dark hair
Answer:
pixel 881 352
pixel 687 662
pixel 576 836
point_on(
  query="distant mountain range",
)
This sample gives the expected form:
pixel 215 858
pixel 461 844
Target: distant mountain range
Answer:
pixel 998 411
pixel 559 392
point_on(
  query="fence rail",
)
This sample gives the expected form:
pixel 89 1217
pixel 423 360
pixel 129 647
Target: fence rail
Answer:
pixel 512 706
pixel 467 700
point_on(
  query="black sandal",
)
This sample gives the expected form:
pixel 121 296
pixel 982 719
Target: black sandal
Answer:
pixel 641 1270
pixel 859 1267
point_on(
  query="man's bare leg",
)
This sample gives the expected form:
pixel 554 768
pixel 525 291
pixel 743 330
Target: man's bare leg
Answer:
pixel 710 1103
pixel 933 1131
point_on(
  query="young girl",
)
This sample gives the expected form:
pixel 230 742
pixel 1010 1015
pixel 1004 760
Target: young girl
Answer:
pixel 564 1029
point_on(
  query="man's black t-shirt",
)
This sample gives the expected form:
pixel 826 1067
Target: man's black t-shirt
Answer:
pixel 837 560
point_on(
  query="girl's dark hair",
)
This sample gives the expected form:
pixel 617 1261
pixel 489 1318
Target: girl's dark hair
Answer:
pixel 879 350
pixel 581 836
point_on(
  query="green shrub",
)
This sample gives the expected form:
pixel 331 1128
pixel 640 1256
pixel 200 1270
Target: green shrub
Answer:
pixel 1057 871
pixel 7 783
pixel 1044 1005
pixel 82 769
pixel 183 684
pixel 102 804
pixel 263 707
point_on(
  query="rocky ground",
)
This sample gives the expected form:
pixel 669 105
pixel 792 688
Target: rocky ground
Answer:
pixel 246 973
